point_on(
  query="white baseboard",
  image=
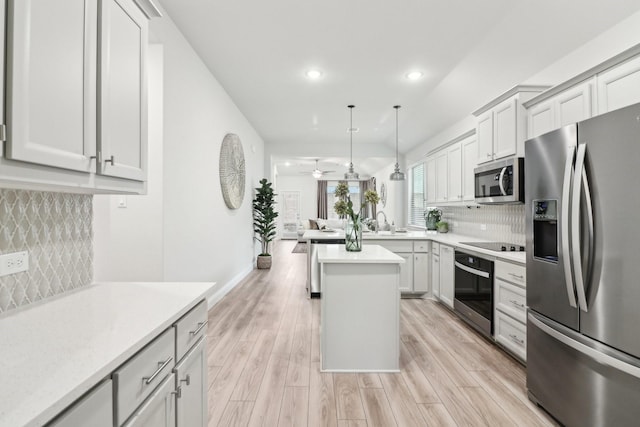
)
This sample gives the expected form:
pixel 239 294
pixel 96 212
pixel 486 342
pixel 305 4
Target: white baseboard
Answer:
pixel 219 293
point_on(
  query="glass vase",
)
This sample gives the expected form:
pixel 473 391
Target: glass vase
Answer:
pixel 353 235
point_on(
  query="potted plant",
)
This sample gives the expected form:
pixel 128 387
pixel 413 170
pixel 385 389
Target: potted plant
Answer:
pixel 264 221
pixel 443 226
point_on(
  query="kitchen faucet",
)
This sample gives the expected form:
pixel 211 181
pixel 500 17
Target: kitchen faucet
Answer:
pixel 386 226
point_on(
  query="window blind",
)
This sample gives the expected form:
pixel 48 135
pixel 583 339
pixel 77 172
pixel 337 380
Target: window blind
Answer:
pixel 417 195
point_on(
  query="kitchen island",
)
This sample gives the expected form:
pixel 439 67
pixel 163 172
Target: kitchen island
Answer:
pixel 360 309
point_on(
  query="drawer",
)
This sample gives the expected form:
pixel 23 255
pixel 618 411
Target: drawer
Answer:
pixel 190 328
pixel 511 299
pixel 435 248
pixel 393 245
pixel 514 273
pixel 511 334
pixel 139 376
pixel 421 246
pixel 93 409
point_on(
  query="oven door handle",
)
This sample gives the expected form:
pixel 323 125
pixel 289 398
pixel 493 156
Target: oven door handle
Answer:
pixel 472 270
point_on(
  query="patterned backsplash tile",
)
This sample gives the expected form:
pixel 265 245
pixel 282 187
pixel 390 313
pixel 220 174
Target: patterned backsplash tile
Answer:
pixel 56 230
pixel 504 223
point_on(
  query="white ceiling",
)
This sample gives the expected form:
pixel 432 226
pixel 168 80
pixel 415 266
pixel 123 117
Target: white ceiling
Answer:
pixel 470 52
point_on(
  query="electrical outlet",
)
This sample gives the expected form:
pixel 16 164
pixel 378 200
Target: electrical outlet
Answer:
pixel 14 263
pixel 483 227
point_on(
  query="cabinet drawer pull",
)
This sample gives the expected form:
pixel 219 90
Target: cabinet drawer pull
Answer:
pixel 516 303
pixel 111 160
pixel 517 276
pixel 153 376
pixel 200 326
pixel 515 339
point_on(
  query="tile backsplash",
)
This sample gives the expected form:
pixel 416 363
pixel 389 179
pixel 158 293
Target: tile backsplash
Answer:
pixel 56 230
pixel 504 223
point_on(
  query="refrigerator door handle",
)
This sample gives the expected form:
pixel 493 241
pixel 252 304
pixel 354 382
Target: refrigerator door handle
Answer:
pixel 594 354
pixel 501 179
pixel 564 224
pixel 580 182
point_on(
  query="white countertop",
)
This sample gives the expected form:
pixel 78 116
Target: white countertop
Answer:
pixel 370 254
pixel 451 239
pixel 54 352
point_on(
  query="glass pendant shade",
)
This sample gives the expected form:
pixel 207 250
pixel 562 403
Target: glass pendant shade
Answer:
pixel 397 175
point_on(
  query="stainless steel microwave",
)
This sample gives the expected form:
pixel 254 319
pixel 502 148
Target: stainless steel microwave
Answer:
pixel 500 182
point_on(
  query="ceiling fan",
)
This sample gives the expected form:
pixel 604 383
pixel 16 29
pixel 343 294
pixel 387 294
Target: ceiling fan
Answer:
pixel 317 173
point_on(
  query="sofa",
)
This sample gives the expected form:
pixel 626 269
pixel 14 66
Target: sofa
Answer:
pixel 318 224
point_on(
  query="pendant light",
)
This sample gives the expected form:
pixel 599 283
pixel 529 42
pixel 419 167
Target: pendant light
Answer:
pixel 351 175
pixel 397 175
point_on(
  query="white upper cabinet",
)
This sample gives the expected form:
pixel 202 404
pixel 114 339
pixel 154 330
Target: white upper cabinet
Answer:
pixel 469 162
pixel 76 97
pixel 51 83
pixel 431 179
pixel 619 86
pixel 441 176
pixel 122 92
pixel 569 106
pixel 501 124
pixel 454 173
pixel 608 86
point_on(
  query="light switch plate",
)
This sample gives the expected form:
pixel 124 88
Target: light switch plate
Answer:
pixel 14 263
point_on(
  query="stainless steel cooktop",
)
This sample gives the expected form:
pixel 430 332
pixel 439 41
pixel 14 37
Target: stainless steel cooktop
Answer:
pixel 496 246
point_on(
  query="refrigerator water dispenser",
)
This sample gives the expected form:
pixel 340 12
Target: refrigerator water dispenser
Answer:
pixel 545 230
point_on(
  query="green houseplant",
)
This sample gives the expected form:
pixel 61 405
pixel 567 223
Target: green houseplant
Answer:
pixel 353 228
pixel 264 221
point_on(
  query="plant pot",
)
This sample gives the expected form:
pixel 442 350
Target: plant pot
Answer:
pixel 264 262
pixel 443 228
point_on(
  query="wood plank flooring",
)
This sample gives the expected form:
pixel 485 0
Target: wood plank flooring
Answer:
pixel 264 365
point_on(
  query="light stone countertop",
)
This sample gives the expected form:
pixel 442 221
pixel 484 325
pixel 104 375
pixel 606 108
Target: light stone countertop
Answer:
pixel 370 254
pixel 451 239
pixel 54 352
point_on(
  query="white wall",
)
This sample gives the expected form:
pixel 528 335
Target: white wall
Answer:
pixel 201 239
pixel 395 208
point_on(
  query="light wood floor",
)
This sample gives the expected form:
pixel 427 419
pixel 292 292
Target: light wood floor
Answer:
pixel 264 365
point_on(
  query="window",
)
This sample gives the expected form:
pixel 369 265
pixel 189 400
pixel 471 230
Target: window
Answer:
pixel 417 195
pixel 354 194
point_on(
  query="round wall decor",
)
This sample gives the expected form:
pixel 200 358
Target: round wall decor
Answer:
pixel 232 171
pixel 383 194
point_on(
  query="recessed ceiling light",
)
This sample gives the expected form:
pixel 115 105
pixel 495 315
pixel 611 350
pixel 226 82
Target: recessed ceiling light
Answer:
pixel 415 75
pixel 354 130
pixel 287 164
pixel 314 74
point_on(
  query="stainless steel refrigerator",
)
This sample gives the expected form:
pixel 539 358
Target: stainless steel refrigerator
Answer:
pixel 582 192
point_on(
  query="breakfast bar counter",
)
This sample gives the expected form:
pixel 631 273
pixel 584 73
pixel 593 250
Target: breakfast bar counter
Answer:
pixel 360 309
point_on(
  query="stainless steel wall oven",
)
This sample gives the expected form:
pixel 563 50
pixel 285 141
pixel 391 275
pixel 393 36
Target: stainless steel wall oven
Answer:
pixel 473 297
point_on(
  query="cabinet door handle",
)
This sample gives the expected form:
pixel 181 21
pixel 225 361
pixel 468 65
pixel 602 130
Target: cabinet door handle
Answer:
pixel 515 339
pixel 200 326
pixel 516 303
pixel 111 160
pixel 178 392
pixel 153 376
pixel 187 380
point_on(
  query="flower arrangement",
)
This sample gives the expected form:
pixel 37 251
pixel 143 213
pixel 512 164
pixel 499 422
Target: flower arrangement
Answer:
pixel 353 231
pixel 342 193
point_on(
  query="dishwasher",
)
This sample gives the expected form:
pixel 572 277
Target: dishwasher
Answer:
pixel 473 291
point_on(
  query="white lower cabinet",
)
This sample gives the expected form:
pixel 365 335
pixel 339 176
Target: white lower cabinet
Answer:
pixel 159 410
pixel 447 258
pixel 414 273
pixel 435 270
pixel 421 269
pixel 510 311
pixel 94 409
pixel 512 334
pixel 191 387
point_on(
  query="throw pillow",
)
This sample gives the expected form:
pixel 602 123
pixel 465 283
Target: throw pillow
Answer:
pixel 322 223
pixel 313 224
